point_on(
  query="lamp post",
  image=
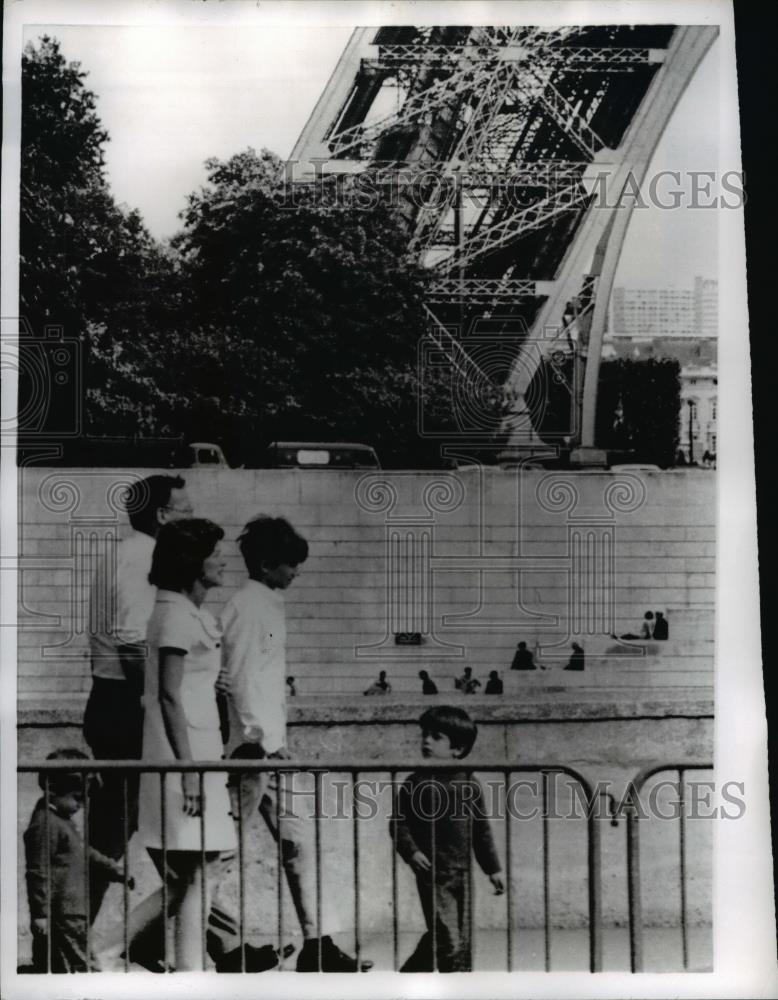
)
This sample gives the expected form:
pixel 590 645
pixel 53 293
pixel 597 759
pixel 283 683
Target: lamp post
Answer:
pixel 690 403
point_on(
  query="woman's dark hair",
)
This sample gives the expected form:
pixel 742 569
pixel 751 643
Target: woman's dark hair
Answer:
pixel 182 548
pixel 268 542
pixel 448 720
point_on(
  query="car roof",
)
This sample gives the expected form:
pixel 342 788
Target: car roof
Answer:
pixel 319 444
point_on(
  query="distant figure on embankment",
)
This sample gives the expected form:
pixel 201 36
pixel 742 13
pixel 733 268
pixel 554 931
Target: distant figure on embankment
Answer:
pixel 523 659
pixel 428 686
pixel 381 686
pixel 494 684
pixel 576 661
pixel 661 630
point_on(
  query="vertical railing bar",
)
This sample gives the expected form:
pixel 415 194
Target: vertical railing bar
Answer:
pixel 47 855
pixel 682 869
pixel 355 828
pixel 317 825
pixel 87 872
pixel 395 934
pixel 633 883
pixel 203 887
pixel 546 903
pixel 469 873
pixel 434 860
pixel 163 839
pixel 241 883
pixel 279 869
pixel 125 887
pixel 594 860
pixel 508 890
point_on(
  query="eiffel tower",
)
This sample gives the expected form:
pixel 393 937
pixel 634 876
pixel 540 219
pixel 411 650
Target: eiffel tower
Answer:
pixel 512 155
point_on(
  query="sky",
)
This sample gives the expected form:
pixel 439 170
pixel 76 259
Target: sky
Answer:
pixel 171 97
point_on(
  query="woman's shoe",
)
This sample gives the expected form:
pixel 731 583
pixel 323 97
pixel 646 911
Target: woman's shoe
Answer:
pixel 253 959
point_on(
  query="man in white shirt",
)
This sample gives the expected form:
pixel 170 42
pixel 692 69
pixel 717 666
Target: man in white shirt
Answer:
pixel 254 675
pixel 120 605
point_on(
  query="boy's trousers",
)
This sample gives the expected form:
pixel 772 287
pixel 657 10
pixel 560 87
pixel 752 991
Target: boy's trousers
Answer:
pixel 445 902
pixel 285 800
pixel 68 946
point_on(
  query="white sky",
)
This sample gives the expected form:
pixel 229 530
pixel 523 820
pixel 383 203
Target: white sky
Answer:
pixel 171 97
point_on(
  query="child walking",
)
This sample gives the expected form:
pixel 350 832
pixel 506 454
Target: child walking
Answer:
pixel 56 873
pixel 439 824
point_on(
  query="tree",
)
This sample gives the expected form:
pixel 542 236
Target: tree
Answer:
pixel 302 320
pixel 637 409
pixel 637 406
pixel 87 265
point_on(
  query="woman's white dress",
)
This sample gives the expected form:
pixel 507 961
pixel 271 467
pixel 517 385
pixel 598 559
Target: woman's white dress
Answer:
pixel 177 623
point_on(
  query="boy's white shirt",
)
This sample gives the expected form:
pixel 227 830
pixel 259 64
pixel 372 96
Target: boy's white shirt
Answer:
pixel 254 665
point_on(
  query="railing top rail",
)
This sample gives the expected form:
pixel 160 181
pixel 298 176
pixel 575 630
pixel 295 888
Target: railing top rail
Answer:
pixel 279 764
pixel 656 768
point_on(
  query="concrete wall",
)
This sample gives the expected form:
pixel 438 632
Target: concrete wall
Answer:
pixel 474 560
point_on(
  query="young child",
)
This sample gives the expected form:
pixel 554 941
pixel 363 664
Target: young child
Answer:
pixel 439 823
pixel 54 854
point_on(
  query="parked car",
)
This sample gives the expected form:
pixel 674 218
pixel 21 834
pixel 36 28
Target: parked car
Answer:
pixel 321 455
pixel 200 455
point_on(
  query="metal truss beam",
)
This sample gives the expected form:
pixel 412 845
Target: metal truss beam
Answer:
pixel 491 289
pixel 568 119
pixel 571 58
pixel 520 223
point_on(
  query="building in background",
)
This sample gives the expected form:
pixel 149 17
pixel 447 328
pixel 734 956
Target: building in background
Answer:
pixel 666 312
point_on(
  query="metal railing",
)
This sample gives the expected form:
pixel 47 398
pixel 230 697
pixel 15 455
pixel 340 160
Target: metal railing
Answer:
pixel 396 773
pixel 588 795
pixel 631 808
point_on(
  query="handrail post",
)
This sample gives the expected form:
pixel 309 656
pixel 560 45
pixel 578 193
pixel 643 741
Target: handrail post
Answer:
pixel 635 917
pixel 595 888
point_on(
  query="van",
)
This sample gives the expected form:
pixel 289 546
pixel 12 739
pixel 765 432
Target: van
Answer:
pixel 321 455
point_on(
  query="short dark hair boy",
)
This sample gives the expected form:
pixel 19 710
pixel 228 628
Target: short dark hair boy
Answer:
pixel 269 542
pixel 440 822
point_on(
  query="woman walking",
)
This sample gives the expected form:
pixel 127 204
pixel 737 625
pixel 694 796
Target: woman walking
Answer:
pixel 181 723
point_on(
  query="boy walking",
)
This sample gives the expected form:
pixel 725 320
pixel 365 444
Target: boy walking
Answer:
pixel 56 873
pixel 254 676
pixel 439 824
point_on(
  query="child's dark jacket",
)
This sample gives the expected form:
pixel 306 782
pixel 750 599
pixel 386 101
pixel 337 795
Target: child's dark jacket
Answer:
pixel 63 856
pixel 445 808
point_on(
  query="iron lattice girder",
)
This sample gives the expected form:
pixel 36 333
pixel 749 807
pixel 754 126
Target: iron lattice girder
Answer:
pixel 565 57
pixel 512 228
pixel 465 84
pixel 491 289
pixel 567 118
pixel 563 183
